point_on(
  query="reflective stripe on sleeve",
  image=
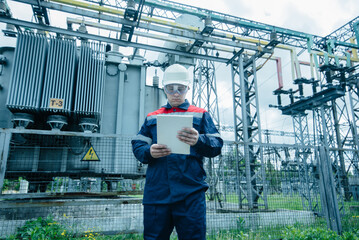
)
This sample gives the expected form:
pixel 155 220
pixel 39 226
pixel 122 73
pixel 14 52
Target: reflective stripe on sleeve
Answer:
pixel 213 135
pixel 140 137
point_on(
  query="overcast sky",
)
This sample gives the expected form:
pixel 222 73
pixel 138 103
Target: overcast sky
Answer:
pixel 319 17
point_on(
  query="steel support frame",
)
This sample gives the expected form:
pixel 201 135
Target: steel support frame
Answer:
pixel 324 127
pixel 354 104
pixel 327 190
pixel 342 132
pixel 108 39
pixel 337 130
pixel 5 138
pixel 290 171
pixel 167 10
pixel 345 32
pixel 104 16
pixel 205 87
pixel 251 167
pixel 205 96
pixel 235 25
pixel 303 156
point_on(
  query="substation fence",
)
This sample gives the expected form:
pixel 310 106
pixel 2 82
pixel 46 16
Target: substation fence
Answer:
pixel 94 183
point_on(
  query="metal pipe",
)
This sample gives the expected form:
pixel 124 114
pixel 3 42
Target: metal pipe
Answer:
pixel 141 116
pixel 164 22
pixel 172 39
pixel 278 61
pixel 151 35
pixel 122 13
pixel 120 101
pixel 110 40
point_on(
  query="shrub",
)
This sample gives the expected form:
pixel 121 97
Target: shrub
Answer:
pixel 350 236
pixel 292 233
pixel 41 229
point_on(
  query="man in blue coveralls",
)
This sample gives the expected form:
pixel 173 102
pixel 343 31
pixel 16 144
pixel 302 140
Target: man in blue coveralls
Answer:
pixel 174 194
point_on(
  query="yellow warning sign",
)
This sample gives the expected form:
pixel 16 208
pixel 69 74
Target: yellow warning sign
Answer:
pixel 91 155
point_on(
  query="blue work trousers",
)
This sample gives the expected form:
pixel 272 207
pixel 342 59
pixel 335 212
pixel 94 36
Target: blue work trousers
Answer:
pixel 188 216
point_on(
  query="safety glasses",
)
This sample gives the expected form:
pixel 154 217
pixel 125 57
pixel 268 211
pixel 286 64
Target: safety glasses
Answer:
pixel 176 88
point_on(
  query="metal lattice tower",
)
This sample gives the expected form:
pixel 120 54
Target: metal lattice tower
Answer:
pixel 289 168
pixel 205 96
pixel 248 131
pixel 343 132
pixel 308 187
pixel 338 123
pixel 327 127
pixel 350 130
pixel 346 33
pixel 354 103
pixel 324 129
pixel 205 88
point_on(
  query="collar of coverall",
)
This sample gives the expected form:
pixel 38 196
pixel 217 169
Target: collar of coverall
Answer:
pixel 183 106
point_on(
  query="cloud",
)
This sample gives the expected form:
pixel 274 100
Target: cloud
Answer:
pixel 298 20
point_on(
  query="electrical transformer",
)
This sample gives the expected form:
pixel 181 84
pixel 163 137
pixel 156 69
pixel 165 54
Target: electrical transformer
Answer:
pixel 73 108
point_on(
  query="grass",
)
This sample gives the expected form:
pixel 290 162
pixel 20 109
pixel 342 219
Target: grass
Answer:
pixel 274 201
pixel 284 202
pixel 294 202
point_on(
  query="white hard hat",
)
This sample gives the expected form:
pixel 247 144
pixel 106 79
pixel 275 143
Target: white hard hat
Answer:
pixel 176 74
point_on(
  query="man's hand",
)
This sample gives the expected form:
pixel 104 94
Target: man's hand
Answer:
pixel 159 150
pixel 188 135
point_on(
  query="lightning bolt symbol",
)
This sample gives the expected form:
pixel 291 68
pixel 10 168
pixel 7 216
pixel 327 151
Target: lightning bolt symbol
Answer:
pixel 91 153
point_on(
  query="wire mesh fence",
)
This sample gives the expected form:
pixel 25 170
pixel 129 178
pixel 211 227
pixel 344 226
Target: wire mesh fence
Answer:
pixel 93 183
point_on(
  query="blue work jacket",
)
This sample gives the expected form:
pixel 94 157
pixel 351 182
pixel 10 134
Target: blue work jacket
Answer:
pixel 170 179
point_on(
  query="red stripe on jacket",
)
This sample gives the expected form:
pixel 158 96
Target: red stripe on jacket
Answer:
pixel 164 110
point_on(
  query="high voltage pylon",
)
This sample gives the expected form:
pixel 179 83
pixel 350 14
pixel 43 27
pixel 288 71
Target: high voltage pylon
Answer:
pixel 205 96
